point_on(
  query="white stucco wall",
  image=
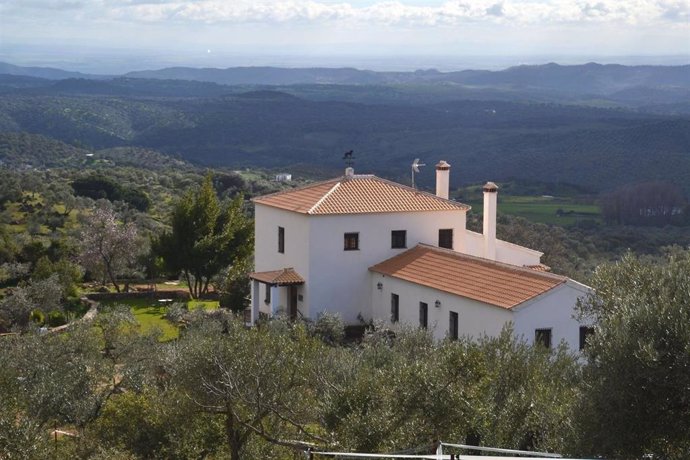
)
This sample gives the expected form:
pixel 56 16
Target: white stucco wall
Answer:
pixel 506 252
pixel 553 310
pixel 267 219
pixel 474 318
pixel 339 279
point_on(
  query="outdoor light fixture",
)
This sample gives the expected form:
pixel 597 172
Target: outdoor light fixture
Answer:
pixel 379 285
pixel 438 304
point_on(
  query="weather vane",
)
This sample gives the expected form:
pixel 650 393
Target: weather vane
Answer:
pixel 349 158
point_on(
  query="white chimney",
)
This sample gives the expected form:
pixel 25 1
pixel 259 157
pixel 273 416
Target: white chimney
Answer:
pixel 349 171
pixel 442 179
pixel 490 204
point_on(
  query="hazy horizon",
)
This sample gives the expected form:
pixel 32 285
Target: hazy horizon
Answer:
pixel 120 61
pixel 116 36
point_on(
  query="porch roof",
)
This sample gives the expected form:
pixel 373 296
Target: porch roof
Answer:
pixel 283 277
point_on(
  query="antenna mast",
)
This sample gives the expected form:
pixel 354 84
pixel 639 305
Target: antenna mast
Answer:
pixel 415 169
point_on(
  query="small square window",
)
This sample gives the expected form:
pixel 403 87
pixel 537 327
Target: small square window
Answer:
pixel 281 240
pixel 423 314
pixel 398 239
pixel 395 308
pixel 542 337
pixel 585 332
pixel 351 241
pixel 445 238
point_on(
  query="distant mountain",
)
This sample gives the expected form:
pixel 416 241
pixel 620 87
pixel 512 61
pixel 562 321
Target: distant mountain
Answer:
pixel 49 73
pixel 576 79
pixel 266 75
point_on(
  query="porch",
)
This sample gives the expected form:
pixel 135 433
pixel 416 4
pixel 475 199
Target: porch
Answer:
pixel 281 291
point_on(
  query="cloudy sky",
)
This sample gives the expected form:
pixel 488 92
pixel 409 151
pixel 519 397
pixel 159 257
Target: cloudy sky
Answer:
pixel 209 28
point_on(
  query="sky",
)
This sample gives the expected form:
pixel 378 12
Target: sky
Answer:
pixel 145 33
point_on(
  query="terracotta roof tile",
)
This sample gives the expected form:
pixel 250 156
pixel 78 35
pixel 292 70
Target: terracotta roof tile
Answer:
pixel 357 195
pixel 480 279
pixel 283 277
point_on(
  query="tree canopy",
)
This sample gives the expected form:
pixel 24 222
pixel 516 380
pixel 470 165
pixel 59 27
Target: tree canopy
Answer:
pixel 636 393
pixel 206 236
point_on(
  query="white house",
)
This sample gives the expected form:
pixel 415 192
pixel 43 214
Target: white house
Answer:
pixel 368 248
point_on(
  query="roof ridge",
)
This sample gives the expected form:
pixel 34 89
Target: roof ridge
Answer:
pixel 323 198
pixel 303 187
pixel 482 260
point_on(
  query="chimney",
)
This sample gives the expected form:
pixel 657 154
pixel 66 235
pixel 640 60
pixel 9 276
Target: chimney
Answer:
pixel 490 204
pixel 349 171
pixel 442 179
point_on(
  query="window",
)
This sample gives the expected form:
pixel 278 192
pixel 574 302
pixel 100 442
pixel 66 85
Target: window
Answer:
pixel 351 241
pixel 281 240
pixel 398 239
pixel 395 308
pixel 267 299
pixel 585 331
pixel 542 337
pixel 445 238
pixel 423 314
pixel 453 325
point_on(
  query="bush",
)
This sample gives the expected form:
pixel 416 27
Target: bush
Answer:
pixel 56 318
pixel 38 317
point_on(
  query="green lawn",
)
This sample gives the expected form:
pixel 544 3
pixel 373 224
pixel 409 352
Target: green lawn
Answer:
pixel 151 314
pixel 544 209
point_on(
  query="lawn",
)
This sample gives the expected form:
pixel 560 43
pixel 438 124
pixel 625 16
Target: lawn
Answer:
pixel 150 314
pixel 545 209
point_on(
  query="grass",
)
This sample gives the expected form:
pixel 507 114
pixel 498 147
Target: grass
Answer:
pixel 545 209
pixel 150 314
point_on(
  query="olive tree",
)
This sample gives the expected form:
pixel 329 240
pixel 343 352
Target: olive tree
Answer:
pixel 636 394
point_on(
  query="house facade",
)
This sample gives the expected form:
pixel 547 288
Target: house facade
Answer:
pixel 337 246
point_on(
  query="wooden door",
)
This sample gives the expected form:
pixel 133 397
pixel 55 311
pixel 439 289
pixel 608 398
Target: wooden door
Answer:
pixel 293 302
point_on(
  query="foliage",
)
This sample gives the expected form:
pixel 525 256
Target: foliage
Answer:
pixel 205 236
pixel 234 287
pixel 68 273
pixel 99 186
pixel 650 203
pixel 16 308
pixel 636 397
pixel 249 377
pixel 108 247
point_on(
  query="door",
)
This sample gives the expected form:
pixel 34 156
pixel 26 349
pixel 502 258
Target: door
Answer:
pixel 292 308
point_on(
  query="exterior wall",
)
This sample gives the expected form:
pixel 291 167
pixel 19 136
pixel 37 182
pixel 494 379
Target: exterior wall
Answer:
pixel 553 310
pixel 474 318
pixel 267 219
pixel 339 279
pixel 506 252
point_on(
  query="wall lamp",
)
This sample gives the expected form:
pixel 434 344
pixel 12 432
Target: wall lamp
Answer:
pixel 437 304
pixel 379 285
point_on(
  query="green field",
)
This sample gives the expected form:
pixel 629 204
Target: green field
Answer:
pixel 544 209
pixel 150 314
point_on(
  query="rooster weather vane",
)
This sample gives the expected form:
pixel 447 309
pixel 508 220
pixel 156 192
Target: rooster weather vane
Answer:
pixel 349 158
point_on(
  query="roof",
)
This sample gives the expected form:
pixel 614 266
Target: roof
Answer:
pixel 358 194
pixel 284 277
pixel 484 280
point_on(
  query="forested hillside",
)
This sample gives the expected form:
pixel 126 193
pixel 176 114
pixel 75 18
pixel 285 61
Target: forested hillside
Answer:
pixel 595 148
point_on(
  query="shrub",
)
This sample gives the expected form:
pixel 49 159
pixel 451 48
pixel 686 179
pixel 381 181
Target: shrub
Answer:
pixel 56 318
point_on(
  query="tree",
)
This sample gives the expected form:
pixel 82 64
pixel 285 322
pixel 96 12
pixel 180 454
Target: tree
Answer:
pixel 205 237
pixel 258 380
pixel 108 246
pixel 636 395
pixel 45 295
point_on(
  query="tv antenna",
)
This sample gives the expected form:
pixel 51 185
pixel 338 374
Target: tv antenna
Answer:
pixel 415 168
pixel 349 158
